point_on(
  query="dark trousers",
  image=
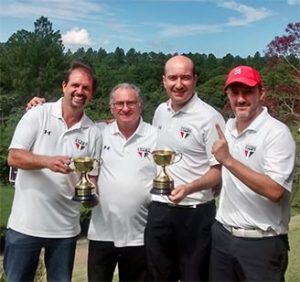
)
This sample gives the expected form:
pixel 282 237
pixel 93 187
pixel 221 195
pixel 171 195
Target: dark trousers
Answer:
pixel 103 257
pixel 247 259
pixel 178 242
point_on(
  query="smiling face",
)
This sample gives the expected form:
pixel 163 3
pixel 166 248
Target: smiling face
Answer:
pixel 78 90
pixel 179 81
pixel 126 107
pixel 245 101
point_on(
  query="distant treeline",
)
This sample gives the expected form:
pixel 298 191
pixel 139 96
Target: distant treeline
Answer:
pixel 32 63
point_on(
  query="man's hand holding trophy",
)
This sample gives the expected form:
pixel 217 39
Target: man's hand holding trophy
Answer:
pixel 85 189
pixel 163 184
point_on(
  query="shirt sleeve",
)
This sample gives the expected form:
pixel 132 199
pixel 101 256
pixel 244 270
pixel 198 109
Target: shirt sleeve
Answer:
pixel 26 131
pixel 279 162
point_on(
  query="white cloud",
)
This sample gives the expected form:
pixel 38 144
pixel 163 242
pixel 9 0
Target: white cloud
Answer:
pixel 187 30
pixel 76 37
pixel 247 15
pixel 84 10
pixel 293 2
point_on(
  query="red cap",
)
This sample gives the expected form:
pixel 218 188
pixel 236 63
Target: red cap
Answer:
pixel 245 75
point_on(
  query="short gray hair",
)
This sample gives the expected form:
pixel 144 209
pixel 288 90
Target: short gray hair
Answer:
pixel 126 85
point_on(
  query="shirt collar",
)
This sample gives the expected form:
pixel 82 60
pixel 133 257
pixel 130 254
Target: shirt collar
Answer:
pixel 141 130
pixel 253 126
pixel 188 107
pixel 57 112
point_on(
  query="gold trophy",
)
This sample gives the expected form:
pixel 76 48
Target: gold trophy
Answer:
pixel 85 189
pixel 163 184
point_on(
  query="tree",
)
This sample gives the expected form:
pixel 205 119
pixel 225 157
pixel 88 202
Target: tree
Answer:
pixel 287 46
pixel 32 63
pixel 283 82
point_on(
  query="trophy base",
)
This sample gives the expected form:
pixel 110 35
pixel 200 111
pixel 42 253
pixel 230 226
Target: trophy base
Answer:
pixel 85 198
pixel 162 188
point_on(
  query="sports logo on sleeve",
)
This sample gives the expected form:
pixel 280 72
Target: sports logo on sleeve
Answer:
pixel 249 150
pixel 143 152
pixel 185 132
pixel 80 145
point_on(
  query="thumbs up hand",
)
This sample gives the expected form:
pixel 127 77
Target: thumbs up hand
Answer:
pixel 220 148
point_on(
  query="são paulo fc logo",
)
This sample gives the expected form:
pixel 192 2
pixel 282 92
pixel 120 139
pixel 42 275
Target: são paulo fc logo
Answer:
pixel 185 132
pixel 249 150
pixel 80 145
pixel 143 152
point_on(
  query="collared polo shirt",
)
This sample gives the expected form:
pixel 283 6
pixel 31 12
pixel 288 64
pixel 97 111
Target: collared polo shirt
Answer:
pixel 42 204
pixel 126 177
pixel 190 131
pixel 266 146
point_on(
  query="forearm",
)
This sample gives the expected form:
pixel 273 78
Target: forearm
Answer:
pixel 210 179
pixel 25 159
pixel 260 183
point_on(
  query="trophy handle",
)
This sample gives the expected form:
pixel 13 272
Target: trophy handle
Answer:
pixel 100 161
pixel 178 155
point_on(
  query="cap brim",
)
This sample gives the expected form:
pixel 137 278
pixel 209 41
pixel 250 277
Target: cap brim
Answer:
pixel 246 81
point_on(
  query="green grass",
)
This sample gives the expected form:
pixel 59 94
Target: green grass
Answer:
pixel 6 196
pixel 292 274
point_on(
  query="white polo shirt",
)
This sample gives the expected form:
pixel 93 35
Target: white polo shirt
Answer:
pixel 126 177
pixel 266 146
pixel 42 204
pixel 190 131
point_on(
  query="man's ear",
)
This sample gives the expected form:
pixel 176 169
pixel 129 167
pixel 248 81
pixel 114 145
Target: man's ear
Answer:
pixel 262 93
pixel 164 81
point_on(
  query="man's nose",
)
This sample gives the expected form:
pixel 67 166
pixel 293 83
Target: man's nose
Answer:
pixel 80 89
pixel 178 83
pixel 240 97
pixel 125 107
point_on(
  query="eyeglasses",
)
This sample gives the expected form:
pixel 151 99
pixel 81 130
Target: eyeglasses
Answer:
pixel 121 104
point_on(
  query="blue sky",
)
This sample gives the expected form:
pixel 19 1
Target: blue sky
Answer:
pixel 238 27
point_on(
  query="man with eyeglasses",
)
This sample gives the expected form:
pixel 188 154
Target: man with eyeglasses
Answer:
pixel 116 231
pixel 257 152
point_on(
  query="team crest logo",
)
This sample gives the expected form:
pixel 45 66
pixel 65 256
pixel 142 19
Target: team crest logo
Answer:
pixel 237 71
pixel 143 152
pixel 80 145
pixel 185 132
pixel 249 150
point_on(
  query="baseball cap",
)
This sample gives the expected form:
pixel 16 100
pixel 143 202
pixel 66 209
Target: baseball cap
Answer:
pixel 245 75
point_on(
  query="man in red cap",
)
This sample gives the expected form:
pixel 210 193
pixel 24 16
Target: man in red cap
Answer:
pixel 250 241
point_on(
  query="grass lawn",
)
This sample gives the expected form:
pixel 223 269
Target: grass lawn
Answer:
pixel 292 275
pixel 6 196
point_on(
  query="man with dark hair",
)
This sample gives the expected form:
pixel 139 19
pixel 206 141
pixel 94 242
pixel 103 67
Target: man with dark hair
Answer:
pixel 43 214
pixel 257 153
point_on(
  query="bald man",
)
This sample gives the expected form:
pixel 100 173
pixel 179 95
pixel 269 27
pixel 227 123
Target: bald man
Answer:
pixel 178 231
